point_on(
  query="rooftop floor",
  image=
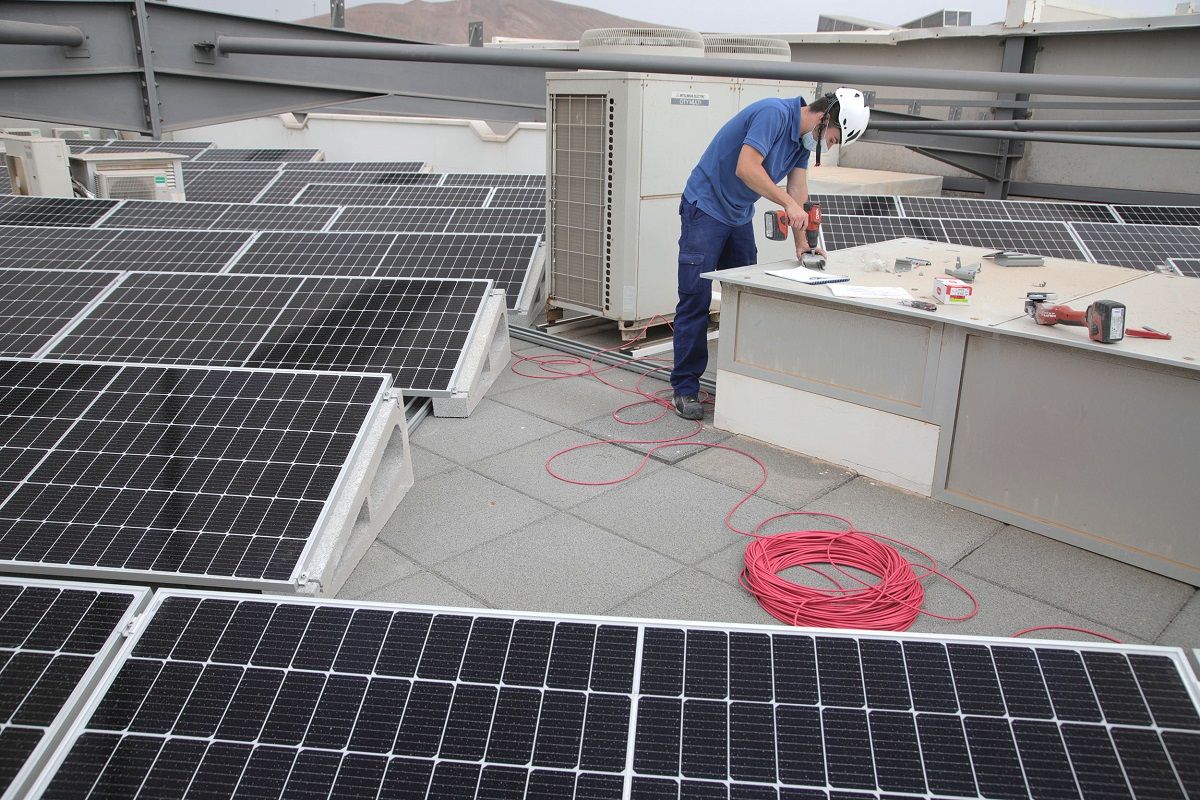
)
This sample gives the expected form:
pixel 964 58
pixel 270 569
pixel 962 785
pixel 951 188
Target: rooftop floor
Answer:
pixel 486 526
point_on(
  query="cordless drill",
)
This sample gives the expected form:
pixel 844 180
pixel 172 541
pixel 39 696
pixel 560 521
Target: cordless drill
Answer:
pixel 777 228
pixel 1104 319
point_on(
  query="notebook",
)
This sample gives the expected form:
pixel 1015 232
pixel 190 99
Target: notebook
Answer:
pixel 806 275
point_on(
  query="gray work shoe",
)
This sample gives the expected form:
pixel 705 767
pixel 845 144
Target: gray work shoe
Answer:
pixel 689 406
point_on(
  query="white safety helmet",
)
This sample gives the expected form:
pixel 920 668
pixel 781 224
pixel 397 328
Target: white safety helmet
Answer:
pixel 853 114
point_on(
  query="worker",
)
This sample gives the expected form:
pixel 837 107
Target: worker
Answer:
pixel 746 160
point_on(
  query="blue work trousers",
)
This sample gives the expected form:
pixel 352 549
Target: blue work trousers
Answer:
pixel 705 244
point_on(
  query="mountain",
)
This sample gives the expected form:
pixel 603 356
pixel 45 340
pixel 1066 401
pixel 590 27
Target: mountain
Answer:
pixel 446 22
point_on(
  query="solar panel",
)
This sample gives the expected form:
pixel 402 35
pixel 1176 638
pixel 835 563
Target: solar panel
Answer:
pixel 195 167
pixel 286 698
pixel 493 179
pixel 461 196
pixel 1159 215
pixel 874 205
pixel 398 219
pixel 51 248
pixel 1044 238
pixel 315 253
pixel 160 250
pixel 953 208
pixel 288 184
pixel 1140 246
pixel 54 211
pixel 166 147
pixel 55 640
pixel 223 185
pixel 36 304
pixel 258 154
pixel 498 220
pixel 345 194
pixel 358 166
pixel 840 231
pixel 258 217
pixel 140 144
pixel 1061 212
pixel 163 214
pixel 402 178
pixel 1188 266
pixel 519 197
pixel 502 258
pixel 413 329
pixel 178 474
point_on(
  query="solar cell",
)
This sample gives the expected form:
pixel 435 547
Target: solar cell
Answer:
pixel 1159 215
pixel 36 304
pixel 412 329
pixel 839 231
pixel 345 194
pixel 227 186
pixel 51 248
pixel 54 211
pixel 182 474
pixel 288 253
pixel 54 641
pixel 338 698
pixel 1044 238
pixel 493 179
pixel 258 154
pixel 1140 246
pixel 855 204
pixel 953 208
pixel 163 214
pixel 162 250
pixel 518 197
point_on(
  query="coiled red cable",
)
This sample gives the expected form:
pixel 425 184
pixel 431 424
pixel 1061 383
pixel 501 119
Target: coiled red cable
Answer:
pixel 891 600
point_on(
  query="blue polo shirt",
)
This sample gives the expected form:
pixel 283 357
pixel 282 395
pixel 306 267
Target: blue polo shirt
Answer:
pixel 772 127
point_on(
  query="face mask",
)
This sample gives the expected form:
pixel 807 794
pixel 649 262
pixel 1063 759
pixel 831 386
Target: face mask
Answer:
pixel 809 141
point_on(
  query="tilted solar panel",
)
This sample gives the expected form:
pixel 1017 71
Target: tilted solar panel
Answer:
pixel 840 231
pixel 274 697
pixel 1043 238
pixel 54 211
pixel 1138 246
pixel 1159 215
pixel 36 304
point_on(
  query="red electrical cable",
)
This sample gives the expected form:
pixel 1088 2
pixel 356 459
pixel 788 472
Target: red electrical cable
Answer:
pixel 890 602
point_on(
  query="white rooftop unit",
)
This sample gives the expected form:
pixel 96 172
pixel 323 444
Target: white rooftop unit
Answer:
pixel 72 133
pixel 620 148
pixel 758 48
pixel 149 175
pixel 37 165
pixel 643 41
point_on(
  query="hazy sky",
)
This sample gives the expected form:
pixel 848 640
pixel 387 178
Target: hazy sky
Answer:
pixel 741 16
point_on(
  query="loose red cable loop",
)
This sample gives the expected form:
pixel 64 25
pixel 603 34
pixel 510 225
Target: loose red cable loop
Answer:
pixel 890 602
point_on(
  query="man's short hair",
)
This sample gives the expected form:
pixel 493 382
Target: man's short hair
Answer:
pixel 827 103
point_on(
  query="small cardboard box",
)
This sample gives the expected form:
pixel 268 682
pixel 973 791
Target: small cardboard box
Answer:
pixel 952 291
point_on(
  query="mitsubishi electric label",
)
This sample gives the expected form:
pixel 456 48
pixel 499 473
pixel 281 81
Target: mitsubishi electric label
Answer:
pixel 688 99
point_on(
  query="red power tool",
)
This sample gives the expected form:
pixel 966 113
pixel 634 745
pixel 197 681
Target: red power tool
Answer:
pixel 1104 319
pixel 776 226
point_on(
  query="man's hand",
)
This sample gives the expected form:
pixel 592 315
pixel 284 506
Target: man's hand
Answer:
pixel 802 248
pixel 797 218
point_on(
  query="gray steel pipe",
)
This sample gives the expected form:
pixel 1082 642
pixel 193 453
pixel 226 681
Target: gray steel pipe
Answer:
pixel 1068 138
pixel 1074 125
pixel 14 32
pixel 1080 85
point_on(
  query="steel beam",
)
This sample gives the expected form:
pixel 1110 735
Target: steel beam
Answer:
pixel 1073 125
pixel 17 32
pixel 1076 85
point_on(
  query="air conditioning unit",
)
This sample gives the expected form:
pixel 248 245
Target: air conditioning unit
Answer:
pixel 620 148
pixel 37 166
pixel 148 175
pixel 757 48
pixel 72 133
pixel 20 131
pixel 643 41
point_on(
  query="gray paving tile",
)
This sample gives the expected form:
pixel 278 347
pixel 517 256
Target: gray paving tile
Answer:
pixel 669 426
pixel 451 513
pixel 508 380
pixel 792 479
pixel 676 513
pixel 380 566
pixel 942 530
pixel 424 588
pixel 568 401
pixel 1090 585
pixel 693 595
pixel 1184 630
pixel 427 464
pixel 524 468
pixel 1002 612
pixel 492 428
pixel 558 564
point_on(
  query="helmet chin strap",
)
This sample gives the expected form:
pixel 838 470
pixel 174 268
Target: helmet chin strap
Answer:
pixel 820 136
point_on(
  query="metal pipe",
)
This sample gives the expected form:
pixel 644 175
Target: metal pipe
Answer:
pixel 1080 85
pixel 14 32
pixel 1067 138
pixel 1074 125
